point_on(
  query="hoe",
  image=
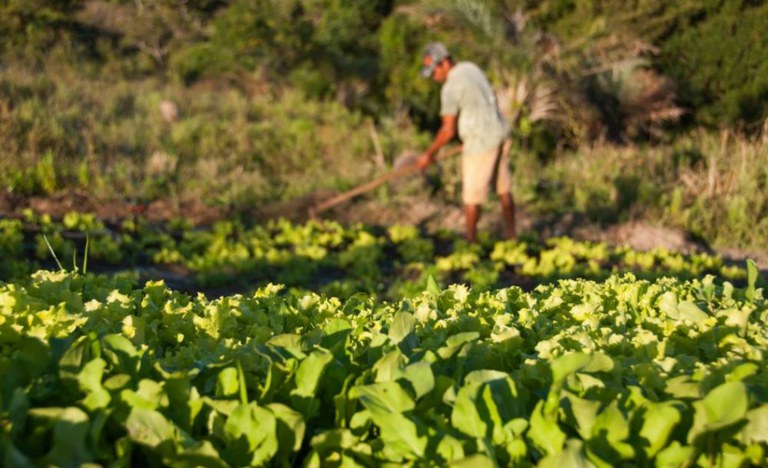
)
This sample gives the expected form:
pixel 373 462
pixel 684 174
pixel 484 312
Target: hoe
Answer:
pixel 343 197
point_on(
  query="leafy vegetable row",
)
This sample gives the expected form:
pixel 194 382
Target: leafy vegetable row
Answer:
pixel 340 261
pixel 656 373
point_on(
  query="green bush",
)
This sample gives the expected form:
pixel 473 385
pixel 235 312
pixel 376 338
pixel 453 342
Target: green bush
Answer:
pixel 721 63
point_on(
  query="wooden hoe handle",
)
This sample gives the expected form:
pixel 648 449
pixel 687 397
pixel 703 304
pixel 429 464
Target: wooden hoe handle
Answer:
pixel 360 189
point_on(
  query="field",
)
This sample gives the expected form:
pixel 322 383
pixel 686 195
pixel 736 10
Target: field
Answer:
pixel 169 298
pixel 355 346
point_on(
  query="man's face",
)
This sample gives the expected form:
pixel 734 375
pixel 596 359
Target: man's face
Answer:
pixel 440 72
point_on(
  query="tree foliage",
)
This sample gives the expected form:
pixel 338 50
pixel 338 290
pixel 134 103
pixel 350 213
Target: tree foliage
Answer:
pixel 620 69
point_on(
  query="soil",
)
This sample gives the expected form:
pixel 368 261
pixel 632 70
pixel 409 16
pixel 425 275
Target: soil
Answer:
pixel 420 210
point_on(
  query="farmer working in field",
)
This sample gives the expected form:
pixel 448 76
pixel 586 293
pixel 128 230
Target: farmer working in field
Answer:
pixel 469 103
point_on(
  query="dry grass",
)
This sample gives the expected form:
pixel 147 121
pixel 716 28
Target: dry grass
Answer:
pixel 712 185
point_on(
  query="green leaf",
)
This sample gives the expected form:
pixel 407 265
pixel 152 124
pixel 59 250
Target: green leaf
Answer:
pixel 682 387
pixel 450 448
pixel 545 433
pixel 127 358
pixel 90 376
pixel 585 413
pixel 724 405
pixel 201 454
pixel 462 338
pixel 477 460
pixel 333 439
pixel 756 430
pixel 11 456
pixel 572 457
pixel 291 343
pixel 241 384
pixel 17 410
pixel 290 427
pixel 70 437
pixel 484 375
pixel 252 434
pixel 456 342
pixel 612 423
pixel 402 435
pixel 658 421
pixel 675 455
pixel 738 318
pixel 566 365
pixel 684 310
pixel 502 404
pixel 33 355
pixel 99 398
pixel 609 434
pixel 117 382
pixel 752 275
pixel 73 359
pixel 742 371
pixel 310 371
pixel 150 395
pixel 421 377
pixel 389 367
pixel 690 311
pixel 432 287
pixel 466 416
pixel 335 334
pixel 403 325
pixel 383 396
pixel 225 407
pixel 184 402
pixel 149 427
pixel 227 383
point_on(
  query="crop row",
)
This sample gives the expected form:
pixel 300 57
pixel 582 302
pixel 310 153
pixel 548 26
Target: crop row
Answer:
pixel 652 373
pixel 326 257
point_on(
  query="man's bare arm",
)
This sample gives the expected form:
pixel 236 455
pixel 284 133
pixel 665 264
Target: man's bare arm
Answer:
pixel 444 136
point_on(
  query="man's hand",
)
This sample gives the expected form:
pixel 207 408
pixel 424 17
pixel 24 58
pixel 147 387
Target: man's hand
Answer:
pixel 444 136
pixel 425 160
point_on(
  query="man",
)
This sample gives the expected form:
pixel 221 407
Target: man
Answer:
pixel 468 103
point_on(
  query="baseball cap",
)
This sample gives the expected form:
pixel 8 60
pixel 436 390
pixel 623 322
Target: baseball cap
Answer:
pixel 434 53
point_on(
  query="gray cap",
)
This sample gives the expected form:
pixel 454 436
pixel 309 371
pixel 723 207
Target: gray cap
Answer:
pixel 434 53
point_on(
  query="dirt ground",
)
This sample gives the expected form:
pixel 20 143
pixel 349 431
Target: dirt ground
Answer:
pixel 420 210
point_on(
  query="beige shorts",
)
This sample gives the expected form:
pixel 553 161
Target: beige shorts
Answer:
pixel 478 171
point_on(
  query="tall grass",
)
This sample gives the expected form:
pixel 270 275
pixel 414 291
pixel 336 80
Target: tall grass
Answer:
pixel 712 185
pixel 227 144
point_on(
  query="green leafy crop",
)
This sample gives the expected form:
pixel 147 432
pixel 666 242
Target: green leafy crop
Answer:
pixel 624 371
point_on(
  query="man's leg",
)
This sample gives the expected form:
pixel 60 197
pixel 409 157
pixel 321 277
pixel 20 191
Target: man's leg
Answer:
pixel 471 215
pixel 508 212
pixel 504 189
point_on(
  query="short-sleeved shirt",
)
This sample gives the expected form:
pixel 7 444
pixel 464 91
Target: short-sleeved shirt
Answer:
pixel 468 94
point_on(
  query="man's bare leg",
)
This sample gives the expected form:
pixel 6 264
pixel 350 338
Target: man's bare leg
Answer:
pixel 508 212
pixel 471 214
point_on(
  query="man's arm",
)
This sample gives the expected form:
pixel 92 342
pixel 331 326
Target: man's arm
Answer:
pixel 444 136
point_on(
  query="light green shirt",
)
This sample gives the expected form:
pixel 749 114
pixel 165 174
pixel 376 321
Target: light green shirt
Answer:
pixel 468 94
